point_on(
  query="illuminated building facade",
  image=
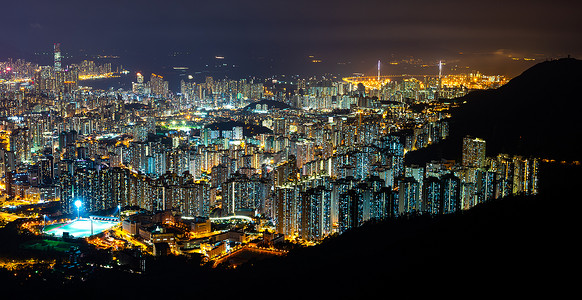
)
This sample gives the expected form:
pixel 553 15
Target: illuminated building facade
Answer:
pixel 351 211
pixel 57 57
pixel 451 199
pixel 408 196
pixel 432 195
pixel 473 152
pixel 315 213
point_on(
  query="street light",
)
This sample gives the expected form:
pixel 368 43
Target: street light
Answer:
pixel 78 204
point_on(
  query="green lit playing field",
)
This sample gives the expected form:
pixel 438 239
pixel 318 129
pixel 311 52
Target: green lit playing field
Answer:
pixel 80 228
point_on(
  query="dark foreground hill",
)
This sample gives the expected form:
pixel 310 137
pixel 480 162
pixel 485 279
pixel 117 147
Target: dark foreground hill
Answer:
pixel 537 113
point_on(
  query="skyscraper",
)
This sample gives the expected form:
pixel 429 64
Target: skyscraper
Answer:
pixel 57 54
pixel 451 187
pixel 20 144
pixel 46 170
pixel 432 195
pixel 473 152
pixel 158 86
pixel 237 133
pixel 138 87
pixel 315 219
pixel 409 196
pixel 351 211
pixel 287 209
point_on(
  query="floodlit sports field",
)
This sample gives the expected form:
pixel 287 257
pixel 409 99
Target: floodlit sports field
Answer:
pixel 79 228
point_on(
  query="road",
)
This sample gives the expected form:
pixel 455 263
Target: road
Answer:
pixel 269 251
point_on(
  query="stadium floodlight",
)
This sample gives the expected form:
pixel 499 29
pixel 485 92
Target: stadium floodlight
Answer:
pixel 78 204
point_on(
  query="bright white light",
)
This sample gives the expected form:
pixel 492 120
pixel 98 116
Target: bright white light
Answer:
pixel 78 203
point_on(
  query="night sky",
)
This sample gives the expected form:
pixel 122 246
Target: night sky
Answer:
pixel 281 35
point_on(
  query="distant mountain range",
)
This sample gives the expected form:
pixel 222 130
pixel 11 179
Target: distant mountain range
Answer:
pixel 537 113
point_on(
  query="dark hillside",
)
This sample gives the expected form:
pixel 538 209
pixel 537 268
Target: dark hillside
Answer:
pixel 536 113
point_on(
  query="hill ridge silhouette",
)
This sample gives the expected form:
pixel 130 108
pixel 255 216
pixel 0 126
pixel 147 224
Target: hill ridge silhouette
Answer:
pixel 534 114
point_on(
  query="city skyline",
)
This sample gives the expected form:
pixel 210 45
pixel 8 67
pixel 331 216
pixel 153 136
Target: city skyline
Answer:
pixel 312 158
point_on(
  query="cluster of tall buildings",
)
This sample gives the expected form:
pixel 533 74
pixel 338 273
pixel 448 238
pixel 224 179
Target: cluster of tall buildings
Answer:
pixel 102 187
pixel 220 93
pixel 16 69
pixel 316 158
pixel 316 206
pixel 327 94
pixel 157 86
pixel 90 68
pixel 57 79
